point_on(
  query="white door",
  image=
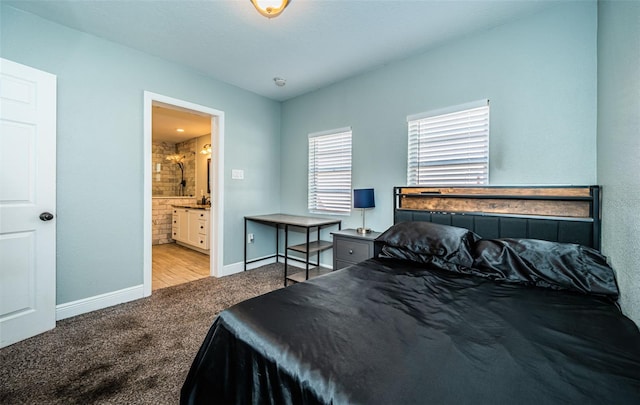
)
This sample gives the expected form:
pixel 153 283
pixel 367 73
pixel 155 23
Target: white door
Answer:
pixel 27 202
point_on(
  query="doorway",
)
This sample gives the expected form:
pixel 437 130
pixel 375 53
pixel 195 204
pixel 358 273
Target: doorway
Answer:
pixel 187 189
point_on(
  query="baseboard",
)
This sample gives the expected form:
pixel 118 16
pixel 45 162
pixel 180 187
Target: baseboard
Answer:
pixel 197 249
pixel 82 306
pixel 239 266
pixel 69 309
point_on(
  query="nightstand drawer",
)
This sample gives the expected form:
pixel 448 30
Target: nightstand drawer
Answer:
pixel 353 251
pixel 351 247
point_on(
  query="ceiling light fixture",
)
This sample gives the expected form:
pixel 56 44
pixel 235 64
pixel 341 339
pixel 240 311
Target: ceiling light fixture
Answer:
pixel 270 8
pixel 279 81
pixel 179 130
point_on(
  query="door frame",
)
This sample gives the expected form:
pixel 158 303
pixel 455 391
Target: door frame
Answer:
pixel 216 224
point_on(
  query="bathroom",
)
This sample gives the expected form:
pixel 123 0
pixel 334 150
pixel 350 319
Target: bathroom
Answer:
pixel 181 172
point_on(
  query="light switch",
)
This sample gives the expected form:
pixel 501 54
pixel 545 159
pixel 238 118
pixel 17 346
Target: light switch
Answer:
pixel 237 174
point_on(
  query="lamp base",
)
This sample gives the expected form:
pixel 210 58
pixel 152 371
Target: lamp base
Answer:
pixel 363 230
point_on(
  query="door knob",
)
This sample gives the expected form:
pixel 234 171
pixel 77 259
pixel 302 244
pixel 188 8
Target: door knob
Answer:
pixel 46 216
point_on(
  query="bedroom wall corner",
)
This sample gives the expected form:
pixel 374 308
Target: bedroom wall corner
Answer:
pixel 619 144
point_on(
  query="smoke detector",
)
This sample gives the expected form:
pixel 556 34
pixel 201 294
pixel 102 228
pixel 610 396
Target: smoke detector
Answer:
pixel 279 81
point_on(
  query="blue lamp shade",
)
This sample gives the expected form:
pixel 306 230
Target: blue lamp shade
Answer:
pixel 363 198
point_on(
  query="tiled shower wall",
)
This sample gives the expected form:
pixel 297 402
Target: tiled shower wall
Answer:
pixel 161 214
pixel 188 150
pixel 166 181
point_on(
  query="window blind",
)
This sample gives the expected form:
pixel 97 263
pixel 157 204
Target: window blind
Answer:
pixel 450 148
pixel 330 172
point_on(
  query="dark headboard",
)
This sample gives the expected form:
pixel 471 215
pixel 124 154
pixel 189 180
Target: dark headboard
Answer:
pixel 556 213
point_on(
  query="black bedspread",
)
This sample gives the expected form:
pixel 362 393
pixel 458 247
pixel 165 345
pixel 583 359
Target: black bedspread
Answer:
pixel 391 332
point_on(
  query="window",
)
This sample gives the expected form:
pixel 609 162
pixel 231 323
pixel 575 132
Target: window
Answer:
pixel 330 171
pixel 449 147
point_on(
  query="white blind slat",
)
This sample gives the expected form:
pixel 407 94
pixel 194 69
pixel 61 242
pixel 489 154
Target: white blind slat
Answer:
pixel 330 172
pixel 449 149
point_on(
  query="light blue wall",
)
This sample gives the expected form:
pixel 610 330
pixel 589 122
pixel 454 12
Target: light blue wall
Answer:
pixel 100 148
pixel 539 73
pixel 619 144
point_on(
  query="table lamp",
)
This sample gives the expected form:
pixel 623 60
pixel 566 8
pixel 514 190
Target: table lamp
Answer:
pixel 363 198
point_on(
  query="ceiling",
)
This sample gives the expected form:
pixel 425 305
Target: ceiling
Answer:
pixel 167 119
pixel 313 43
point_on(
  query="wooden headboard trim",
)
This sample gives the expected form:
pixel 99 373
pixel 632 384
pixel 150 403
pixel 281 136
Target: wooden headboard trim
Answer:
pixel 562 213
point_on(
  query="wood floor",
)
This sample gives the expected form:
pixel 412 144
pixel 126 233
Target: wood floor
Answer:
pixel 173 264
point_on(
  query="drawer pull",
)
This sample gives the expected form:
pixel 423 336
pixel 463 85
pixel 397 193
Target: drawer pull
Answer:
pixel 350 251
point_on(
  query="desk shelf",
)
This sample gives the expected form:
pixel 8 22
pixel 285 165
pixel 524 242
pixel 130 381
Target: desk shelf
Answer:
pixel 301 276
pixel 314 247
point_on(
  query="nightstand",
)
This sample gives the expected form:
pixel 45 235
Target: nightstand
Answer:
pixel 351 247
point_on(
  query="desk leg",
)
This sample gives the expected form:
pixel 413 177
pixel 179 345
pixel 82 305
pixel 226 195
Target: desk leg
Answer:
pixel 318 254
pixel 286 251
pixel 307 264
pixel 332 252
pixel 244 243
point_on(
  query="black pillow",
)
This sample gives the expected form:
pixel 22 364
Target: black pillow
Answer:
pixel 421 241
pixel 565 266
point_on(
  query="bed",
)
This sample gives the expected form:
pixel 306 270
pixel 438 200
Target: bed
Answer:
pixel 443 315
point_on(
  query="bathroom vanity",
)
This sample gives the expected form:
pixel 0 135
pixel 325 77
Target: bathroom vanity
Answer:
pixel 190 226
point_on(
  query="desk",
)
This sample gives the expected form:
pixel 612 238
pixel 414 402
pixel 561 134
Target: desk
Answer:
pixel 286 221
